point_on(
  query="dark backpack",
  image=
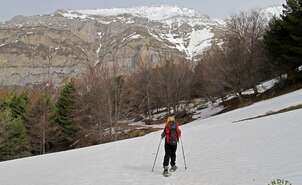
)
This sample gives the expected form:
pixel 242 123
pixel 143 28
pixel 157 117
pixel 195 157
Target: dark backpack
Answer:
pixel 173 131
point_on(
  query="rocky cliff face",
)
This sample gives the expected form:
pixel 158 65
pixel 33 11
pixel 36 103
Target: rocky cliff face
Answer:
pixel 53 47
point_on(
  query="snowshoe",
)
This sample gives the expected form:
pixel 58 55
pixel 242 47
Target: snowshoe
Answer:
pixel 173 168
pixel 166 172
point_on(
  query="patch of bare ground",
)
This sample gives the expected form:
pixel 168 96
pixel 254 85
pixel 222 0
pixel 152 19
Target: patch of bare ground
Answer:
pixel 288 109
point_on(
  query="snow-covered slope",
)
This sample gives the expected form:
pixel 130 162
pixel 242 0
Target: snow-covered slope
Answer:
pixel 218 152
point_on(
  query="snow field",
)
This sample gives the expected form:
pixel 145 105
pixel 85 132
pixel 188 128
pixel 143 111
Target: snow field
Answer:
pixel 218 152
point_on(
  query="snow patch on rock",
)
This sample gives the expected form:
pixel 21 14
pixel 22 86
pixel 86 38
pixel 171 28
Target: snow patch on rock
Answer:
pixel 73 15
pixel 199 41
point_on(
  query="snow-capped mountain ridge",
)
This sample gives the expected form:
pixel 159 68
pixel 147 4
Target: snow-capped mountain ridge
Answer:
pixel 150 33
pixel 191 41
pixel 184 29
pixel 151 12
pixel 270 12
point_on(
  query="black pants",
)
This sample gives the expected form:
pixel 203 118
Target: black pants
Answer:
pixel 170 153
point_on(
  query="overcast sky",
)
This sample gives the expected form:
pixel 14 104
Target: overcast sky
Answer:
pixel 213 8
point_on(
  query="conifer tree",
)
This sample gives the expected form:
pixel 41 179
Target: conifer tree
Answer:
pixel 13 138
pixel 284 38
pixel 64 110
pixel 17 105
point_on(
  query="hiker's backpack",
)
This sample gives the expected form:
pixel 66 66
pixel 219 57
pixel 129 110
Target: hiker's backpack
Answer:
pixel 174 138
pixel 172 133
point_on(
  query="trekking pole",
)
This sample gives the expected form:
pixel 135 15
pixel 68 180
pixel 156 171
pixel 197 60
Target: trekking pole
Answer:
pixel 183 154
pixel 156 154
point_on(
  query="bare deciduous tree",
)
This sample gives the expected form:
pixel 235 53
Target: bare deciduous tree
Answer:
pixel 239 63
pixel 172 83
pixel 243 44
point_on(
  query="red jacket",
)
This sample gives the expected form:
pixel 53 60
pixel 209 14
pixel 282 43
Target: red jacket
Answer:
pixel 167 132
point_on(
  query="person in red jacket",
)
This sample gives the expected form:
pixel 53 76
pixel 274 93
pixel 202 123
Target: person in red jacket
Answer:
pixel 172 134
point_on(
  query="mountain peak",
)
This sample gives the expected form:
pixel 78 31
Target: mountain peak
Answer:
pixel 272 11
pixel 151 12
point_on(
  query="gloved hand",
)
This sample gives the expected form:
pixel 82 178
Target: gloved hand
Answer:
pixel 163 135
